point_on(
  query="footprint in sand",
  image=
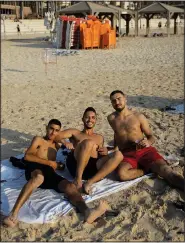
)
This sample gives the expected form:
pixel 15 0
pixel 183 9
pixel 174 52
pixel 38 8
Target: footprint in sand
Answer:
pixel 156 186
pixel 141 198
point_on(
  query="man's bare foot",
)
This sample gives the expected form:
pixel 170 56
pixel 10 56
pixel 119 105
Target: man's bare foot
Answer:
pixel 87 188
pixel 78 183
pixel 97 212
pixel 10 221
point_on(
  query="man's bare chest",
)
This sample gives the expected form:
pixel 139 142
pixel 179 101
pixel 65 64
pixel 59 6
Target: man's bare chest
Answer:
pixel 80 137
pixel 47 151
pixel 125 125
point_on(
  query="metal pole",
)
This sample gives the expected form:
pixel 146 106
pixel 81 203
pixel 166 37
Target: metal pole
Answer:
pixel 41 8
pixel 168 23
pixel 140 22
pixel 136 18
pixel 119 24
pixel 22 10
pixel 136 23
pixel 4 24
pixel 15 11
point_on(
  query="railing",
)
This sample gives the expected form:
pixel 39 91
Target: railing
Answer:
pixel 26 26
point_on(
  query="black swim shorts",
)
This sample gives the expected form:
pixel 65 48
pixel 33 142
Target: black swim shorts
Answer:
pixel 51 178
pixel 90 169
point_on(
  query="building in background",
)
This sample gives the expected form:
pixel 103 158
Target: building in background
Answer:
pixel 30 9
pixel 37 9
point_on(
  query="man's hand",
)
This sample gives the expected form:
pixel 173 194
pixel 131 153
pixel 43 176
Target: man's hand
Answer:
pixel 60 166
pixel 103 151
pixel 53 164
pixel 78 183
pixel 56 165
pixel 144 143
pixel 68 145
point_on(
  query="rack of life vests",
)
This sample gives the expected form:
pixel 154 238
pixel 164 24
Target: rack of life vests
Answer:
pixel 79 33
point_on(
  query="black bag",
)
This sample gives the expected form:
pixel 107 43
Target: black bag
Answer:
pixel 20 163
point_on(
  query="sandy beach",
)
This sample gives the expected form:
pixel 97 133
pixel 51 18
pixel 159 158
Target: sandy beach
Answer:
pixel 151 72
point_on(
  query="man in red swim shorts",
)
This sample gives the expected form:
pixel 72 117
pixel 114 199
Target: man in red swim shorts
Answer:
pixel 142 157
pixel 133 137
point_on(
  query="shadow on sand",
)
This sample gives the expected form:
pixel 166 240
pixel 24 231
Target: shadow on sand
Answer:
pixel 15 70
pixel 13 142
pixel 38 45
pixel 37 42
pixel 152 102
pixel 28 40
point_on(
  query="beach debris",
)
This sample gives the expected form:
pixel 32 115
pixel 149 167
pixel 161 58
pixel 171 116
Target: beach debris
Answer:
pixel 181 232
pixel 18 162
pixel 112 213
pixel 49 233
pixel 182 152
pixel 49 57
pixel 177 109
pixel 179 205
pixel 2 181
pixel 47 38
pixel 65 52
pixel 157 34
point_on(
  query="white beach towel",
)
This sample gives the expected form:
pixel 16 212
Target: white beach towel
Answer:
pixel 45 205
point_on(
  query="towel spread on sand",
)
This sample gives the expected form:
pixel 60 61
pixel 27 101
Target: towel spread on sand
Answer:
pixel 45 205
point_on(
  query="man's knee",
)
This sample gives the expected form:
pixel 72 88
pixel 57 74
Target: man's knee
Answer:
pixel 88 143
pixel 37 178
pixel 123 174
pixel 118 156
pixel 67 187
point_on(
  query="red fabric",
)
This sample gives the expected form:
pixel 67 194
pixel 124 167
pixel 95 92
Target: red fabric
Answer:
pixel 66 18
pixel 75 35
pixel 144 157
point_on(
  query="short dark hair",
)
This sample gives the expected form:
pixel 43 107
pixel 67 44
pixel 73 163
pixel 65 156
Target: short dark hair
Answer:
pixel 116 92
pixel 89 109
pixel 54 121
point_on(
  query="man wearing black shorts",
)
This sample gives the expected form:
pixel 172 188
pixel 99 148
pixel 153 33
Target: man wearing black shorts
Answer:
pixel 40 172
pixel 86 159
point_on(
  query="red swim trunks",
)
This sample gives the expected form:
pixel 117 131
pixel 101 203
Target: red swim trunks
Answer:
pixel 143 157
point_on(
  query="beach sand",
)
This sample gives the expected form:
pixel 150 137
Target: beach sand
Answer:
pixel 150 71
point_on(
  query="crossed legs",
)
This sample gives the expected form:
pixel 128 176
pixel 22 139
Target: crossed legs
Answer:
pixel 82 155
pixel 109 163
pixel 105 166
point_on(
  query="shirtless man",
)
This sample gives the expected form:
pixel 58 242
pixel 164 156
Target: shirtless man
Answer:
pixel 40 172
pixel 134 138
pixel 83 162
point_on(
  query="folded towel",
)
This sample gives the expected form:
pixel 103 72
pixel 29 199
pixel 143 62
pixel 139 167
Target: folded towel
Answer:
pixel 45 205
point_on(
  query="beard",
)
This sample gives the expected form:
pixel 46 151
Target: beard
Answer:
pixel 119 109
pixel 89 127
